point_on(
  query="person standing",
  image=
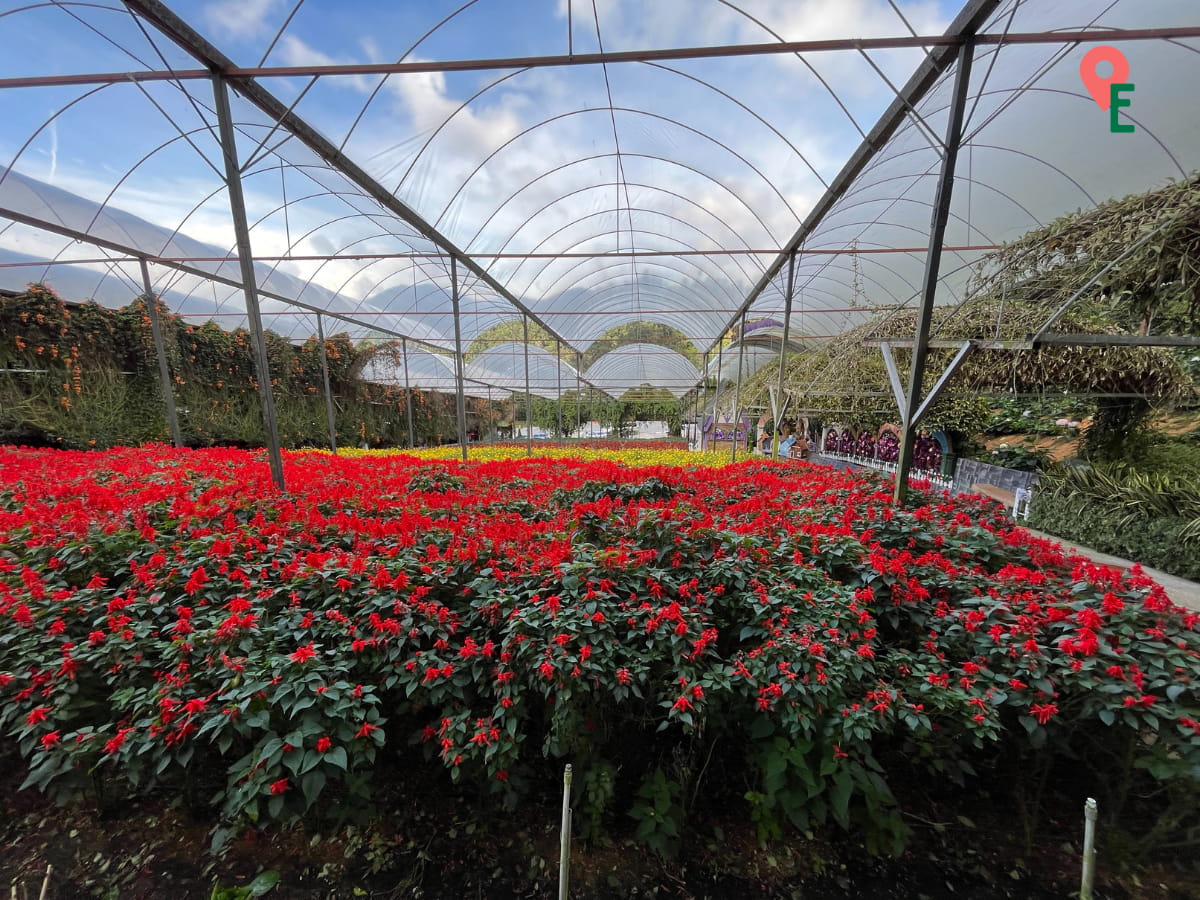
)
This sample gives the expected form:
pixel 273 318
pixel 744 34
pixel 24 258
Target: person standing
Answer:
pixel 762 441
pixel 787 438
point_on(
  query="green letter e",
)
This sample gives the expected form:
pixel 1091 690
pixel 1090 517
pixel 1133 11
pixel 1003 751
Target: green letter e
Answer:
pixel 1115 102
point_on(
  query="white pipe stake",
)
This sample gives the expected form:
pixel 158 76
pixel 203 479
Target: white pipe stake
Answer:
pixel 1089 850
pixel 46 882
pixel 564 853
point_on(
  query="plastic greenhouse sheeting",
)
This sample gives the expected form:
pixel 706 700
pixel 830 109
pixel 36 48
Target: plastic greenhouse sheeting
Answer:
pixel 426 371
pixel 754 357
pixel 652 189
pixel 212 289
pixel 503 365
pixel 634 365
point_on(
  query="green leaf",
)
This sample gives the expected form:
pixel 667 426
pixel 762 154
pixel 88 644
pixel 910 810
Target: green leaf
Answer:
pixel 310 760
pixel 839 796
pixel 311 785
pixel 761 728
pixel 263 883
pixel 220 837
pixel 259 719
pixel 337 757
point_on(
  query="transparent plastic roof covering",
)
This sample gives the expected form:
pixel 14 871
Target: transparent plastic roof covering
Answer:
pixel 504 365
pixel 379 141
pixel 425 371
pixel 634 365
pixel 754 356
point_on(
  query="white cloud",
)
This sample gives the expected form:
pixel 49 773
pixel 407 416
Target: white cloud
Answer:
pixel 634 23
pixel 53 151
pixel 824 19
pixel 241 18
pixel 294 51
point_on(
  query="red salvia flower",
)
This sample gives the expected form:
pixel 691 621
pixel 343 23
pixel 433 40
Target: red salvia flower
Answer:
pixel 303 654
pixel 1043 711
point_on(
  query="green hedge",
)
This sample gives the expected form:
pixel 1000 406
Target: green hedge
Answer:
pixel 84 376
pixel 1156 541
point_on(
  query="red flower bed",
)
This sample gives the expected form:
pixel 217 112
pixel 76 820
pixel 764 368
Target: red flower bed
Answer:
pixel 167 613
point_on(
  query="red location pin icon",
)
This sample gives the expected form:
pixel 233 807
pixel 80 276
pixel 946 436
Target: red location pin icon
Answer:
pixel 1097 86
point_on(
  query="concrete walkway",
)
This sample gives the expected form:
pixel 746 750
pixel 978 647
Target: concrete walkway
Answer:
pixel 1180 590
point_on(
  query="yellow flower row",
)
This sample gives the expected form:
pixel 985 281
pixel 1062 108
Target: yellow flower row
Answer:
pixel 488 452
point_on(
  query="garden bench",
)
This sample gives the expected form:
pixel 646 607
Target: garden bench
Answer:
pixel 1017 501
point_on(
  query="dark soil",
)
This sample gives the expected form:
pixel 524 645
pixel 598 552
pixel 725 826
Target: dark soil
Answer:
pixel 428 844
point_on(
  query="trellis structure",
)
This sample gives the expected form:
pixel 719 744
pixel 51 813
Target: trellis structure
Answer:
pixel 577 172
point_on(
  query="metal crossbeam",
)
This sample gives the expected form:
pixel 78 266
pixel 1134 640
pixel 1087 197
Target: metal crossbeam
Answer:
pixel 1032 342
pixel 570 254
pixel 1119 340
pixel 773 48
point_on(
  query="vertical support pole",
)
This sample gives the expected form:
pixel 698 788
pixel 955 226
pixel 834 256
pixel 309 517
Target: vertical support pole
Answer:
pixel 558 375
pixel 889 363
pixel 737 390
pixel 1089 850
pixel 460 398
pixel 578 392
pixel 783 349
pixel 328 392
pixel 933 260
pixel 237 208
pixel 701 389
pixel 564 847
pixel 160 351
pixel 528 396
pixel 412 438
pixel 720 364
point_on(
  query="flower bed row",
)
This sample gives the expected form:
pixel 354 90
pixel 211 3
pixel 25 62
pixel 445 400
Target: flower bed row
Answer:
pixel 628 453
pixel 772 637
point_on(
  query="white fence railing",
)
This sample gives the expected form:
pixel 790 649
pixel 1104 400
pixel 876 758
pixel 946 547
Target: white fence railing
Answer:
pixel 936 479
